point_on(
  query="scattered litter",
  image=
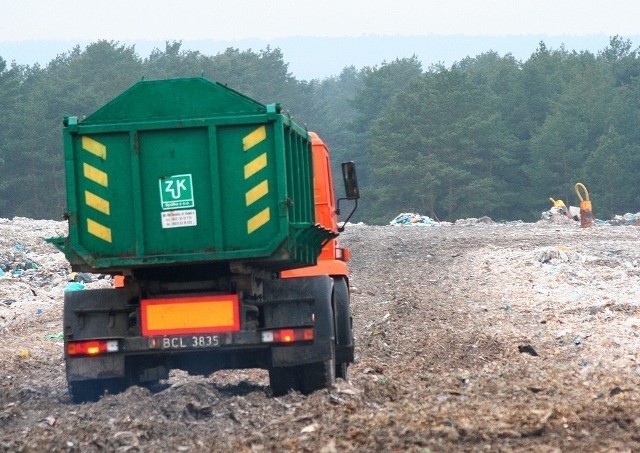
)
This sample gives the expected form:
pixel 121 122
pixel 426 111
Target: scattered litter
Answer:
pixel 310 428
pixel 615 391
pixel 473 221
pixel 626 219
pixel 83 277
pixel 557 255
pixel 561 215
pixel 74 286
pixel 23 353
pixel 527 349
pixel 54 336
pixel 412 219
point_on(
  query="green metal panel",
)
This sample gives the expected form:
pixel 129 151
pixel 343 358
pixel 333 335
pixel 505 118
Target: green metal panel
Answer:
pixel 184 171
pixel 174 99
pixel 177 194
pixel 102 193
pixel 250 165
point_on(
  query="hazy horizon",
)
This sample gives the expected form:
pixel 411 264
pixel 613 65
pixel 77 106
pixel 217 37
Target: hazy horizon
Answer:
pixel 312 57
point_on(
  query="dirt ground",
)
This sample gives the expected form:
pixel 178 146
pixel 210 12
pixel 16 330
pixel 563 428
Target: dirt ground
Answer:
pixel 470 337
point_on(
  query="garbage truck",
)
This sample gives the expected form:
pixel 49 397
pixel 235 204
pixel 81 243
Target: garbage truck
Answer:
pixel 217 219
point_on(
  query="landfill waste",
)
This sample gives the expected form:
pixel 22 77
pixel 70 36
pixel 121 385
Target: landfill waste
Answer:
pixel 475 221
pixel 55 336
pixel 527 349
pixel 74 286
pixel 411 219
pixel 81 277
pixel 560 213
pixel 557 255
pixel 626 219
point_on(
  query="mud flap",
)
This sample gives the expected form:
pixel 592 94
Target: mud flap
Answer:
pixel 107 367
pixel 293 289
pixel 95 314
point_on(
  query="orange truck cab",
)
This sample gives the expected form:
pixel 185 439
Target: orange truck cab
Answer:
pixel 333 258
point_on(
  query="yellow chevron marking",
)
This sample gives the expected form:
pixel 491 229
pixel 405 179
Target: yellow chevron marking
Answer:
pixel 97 202
pixel 95 175
pixel 258 220
pixel 99 230
pixel 254 138
pixel 94 147
pixel 255 165
pixel 257 192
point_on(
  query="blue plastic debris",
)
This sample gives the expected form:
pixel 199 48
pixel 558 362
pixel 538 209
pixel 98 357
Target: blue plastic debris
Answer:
pixel 412 219
pixel 74 286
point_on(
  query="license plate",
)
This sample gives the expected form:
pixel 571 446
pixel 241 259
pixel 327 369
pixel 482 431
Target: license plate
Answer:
pixel 186 342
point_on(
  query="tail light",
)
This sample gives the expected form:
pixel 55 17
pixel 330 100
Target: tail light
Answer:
pixel 91 347
pixel 287 335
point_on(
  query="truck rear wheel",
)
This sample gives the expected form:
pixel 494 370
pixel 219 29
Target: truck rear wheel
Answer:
pixel 303 378
pixel 319 375
pixel 284 379
pixel 343 327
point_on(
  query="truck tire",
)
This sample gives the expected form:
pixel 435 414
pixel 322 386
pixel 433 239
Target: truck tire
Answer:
pixel 343 327
pixel 319 375
pixel 303 378
pixel 284 379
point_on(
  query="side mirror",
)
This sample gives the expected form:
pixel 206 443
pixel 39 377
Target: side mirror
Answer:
pixel 350 180
pixel 351 189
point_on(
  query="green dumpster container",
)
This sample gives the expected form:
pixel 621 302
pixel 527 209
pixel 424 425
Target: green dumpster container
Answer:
pixel 188 171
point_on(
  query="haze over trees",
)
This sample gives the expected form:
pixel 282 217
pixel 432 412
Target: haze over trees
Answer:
pixel 489 135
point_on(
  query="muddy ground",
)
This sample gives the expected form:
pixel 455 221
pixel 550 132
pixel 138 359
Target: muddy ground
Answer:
pixel 470 337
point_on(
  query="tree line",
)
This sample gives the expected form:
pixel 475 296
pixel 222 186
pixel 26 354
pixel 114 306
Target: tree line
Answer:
pixel 489 135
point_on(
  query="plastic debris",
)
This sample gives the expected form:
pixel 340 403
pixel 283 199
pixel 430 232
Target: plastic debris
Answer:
pixel 54 336
pixel 411 219
pixel 83 277
pixel 74 286
pixel 626 219
pixel 475 221
pixel 24 353
pixel 527 349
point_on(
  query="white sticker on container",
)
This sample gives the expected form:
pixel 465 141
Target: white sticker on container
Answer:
pixel 179 218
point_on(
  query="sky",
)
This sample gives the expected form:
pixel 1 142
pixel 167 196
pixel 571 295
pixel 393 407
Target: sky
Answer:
pixel 26 25
pixel 238 19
